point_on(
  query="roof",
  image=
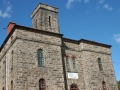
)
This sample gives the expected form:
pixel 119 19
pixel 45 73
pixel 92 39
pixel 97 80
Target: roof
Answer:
pixel 28 29
pixel 86 41
pixel 55 34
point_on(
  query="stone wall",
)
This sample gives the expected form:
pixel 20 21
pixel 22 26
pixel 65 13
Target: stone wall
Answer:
pixel 28 73
pixel 45 18
pixel 90 78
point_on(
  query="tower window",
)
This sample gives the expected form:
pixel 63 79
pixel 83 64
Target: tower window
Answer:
pixel 42 84
pixel 40 57
pixel 36 23
pixel 67 63
pixel 100 64
pixel 49 21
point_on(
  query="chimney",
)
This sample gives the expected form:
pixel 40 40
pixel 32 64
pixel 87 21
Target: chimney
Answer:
pixel 10 27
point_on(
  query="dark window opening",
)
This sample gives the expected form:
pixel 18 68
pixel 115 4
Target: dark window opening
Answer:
pixel 12 60
pixel 104 85
pixel 36 23
pixel 49 21
pixel 42 84
pixel 73 87
pixel 11 85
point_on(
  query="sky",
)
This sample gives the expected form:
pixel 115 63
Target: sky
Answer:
pixel 97 20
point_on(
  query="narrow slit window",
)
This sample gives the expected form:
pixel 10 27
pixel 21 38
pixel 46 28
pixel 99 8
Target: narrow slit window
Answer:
pixel 49 21
pixel 40 57
pixel 11 85
pixel 12 60
pixel 100 64
pixel 36 23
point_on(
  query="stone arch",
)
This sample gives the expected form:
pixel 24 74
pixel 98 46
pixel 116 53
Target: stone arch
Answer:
pixel 74 87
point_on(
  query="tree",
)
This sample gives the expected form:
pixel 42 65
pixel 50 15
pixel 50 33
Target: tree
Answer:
pixel 118 82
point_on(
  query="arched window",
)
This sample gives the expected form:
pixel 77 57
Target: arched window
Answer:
pixel 40 57
pixel 73 87
pixel 67 62
pixel 74 63
pixel 104 85
pixel 100 64
pixel 42 84
pixel 11 85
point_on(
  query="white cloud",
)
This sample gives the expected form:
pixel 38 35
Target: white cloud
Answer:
pixel 117 38
pixel 106 6
pixel 101 1
pixel 8 9
pixel 69 3
pixel 86 1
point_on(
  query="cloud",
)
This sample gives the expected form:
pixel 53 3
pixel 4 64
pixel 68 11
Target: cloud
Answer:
pixel 117 38
pixel 86 1
pixel 101 1
pixel 8 10
pixel 106 6
pixel 69 3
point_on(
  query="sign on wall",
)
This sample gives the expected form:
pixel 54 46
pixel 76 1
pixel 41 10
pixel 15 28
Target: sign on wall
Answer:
pixel 73 75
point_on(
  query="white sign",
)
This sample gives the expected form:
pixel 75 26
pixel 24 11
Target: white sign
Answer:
pixel 73 75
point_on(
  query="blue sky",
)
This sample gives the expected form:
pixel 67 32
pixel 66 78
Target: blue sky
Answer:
pixel 97 20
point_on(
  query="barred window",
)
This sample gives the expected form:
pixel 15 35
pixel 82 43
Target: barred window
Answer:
pixel 42 85
pixel 40 57
pixel 104 85
pixel 100 64
pixel 73 87
pixel 74 63
pixel 67 62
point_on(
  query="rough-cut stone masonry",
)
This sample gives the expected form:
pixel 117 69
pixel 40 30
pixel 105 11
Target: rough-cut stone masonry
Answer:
pixel 19 59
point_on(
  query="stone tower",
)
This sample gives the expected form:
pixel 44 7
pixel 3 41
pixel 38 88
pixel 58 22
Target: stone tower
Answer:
pixel 45 17
pixel 40 58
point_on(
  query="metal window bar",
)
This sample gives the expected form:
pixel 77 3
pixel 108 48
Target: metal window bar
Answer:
pixel 74 63
pixel 67 63
pixel 100 64
pixel 40 57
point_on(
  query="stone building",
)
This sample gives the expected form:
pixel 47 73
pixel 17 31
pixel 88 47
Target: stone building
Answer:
pixel 39 58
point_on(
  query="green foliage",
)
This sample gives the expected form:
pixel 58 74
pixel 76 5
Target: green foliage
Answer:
pixel 118 85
